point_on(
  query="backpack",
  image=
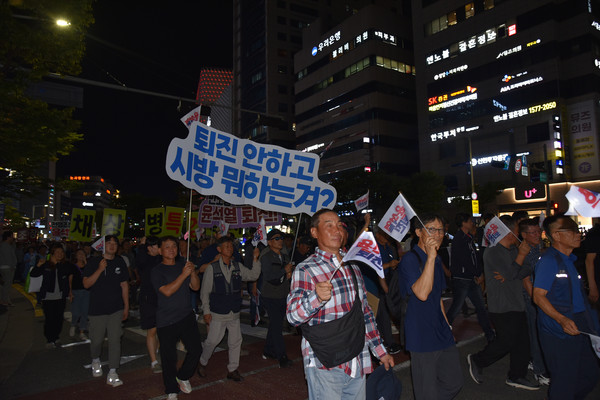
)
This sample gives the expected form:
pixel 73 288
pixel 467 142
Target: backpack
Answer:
pixel 397 302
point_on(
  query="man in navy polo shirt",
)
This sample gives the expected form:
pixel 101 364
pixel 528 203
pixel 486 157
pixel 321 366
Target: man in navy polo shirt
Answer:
pixel 565 313
pixel 435 363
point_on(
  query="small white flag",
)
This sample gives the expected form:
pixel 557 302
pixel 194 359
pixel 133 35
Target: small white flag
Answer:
pixel 494 232
pixel 365 249
pixel 223 228
pixel 362 202
pixel 396 221
pixel 191 117
pixel 261 234
pixel 585 202
pixel 99 245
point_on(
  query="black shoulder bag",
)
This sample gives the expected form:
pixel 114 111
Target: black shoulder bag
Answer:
pixel 339 341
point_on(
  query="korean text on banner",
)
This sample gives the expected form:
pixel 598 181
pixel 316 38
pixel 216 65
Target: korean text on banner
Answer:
pixel 584 201
pixel 213 210
pixel 241 171
pixel 174 221
pixel 396 221
pixel 365 249
pixel 82 224
pixel 113 222
pixel 362 202
pixel 494 231
pixel 155 218
pixel 260 236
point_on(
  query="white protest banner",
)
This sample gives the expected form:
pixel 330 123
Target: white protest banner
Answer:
pixel 362 202
pixel 584 201
pixel 191 117
pixel 213 209
pixel 494 231
pixel 241 171
pixel 260 236
pixel 396 221
pixel 365 249
pixel 223 228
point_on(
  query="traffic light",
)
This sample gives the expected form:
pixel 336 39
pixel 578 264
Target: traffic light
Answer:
pixel 554 205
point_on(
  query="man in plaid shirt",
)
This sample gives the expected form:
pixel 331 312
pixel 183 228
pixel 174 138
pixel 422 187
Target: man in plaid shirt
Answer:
pixel 314 300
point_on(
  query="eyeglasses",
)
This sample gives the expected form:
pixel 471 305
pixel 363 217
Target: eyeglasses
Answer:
pixel 277 238
pixel 434 231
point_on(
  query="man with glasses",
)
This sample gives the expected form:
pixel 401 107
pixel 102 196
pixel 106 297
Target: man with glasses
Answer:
pixel 565 313
pixel 531 233
pixel 504 283
pixel 276 274
pixel 435 363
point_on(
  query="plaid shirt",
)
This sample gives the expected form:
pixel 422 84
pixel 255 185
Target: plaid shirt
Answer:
pixel 303 305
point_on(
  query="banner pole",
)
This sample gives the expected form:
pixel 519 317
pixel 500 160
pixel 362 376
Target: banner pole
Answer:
pixel 189 221
pixel 296 237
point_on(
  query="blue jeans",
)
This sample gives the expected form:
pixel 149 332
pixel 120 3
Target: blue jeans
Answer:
pixel 463 288
pixel 79 309
pixel 334 384
pixel 536 351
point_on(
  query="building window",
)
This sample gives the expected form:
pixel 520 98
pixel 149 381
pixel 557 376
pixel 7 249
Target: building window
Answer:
pixel 256 77
pixel 469 10
pixel 488 4
pixel 451 17
pixel 282 69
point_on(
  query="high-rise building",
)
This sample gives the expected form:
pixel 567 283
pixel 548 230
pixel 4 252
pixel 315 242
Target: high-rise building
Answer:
pixel 355 92
pixel 214 89
pixel 510 88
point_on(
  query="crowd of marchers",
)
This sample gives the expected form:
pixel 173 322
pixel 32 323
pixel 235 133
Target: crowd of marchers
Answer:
pixel 535 296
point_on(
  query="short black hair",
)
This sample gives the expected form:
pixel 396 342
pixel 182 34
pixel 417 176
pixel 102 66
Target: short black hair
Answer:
pixel 166 239
pixel 517 215
pixel 425 219
pixel 151 241
pixel 108 238
pixel 461 218
pixel 509 221
pixel 524 224
pixel 224 239
pixel 314 220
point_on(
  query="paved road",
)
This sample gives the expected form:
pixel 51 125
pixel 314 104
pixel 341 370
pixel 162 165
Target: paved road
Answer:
pixel 30 371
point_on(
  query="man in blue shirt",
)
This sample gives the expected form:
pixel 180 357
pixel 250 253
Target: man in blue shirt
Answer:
pixel 565 314
pixel 435 363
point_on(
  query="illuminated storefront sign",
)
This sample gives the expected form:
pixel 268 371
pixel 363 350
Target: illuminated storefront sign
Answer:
pixel 489 159
pixel 521 84
pixel 452 71
pixel 444 101
pixel 326 43
pixel 386 37
pixel 313 147
pixel 508 52
pixel 482 39
pixel 451 133
pixel 500 106
pixel 524 111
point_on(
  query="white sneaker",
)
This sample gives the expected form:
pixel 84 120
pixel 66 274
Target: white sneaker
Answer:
pixel 96 369
pixel 72 331
pixel 172 396
pixel 113 379
pixel 184 386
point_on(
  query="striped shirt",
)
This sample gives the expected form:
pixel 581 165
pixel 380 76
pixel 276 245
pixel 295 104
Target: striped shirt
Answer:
pixel 303 305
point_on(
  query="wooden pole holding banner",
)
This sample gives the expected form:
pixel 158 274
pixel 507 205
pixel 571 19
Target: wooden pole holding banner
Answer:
pixel 296 237
pixel 189 221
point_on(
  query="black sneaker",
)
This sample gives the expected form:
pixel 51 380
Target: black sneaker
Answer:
pixel 394 349
pixel 285 362
pixel 474 370
pixel 523 383
pixel 266 355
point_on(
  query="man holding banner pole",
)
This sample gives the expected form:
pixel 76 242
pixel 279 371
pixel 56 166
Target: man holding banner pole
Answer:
pixel 565 314
pixel 328 300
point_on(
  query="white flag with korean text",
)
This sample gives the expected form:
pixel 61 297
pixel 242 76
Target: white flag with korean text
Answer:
pixel 365 249
pixel 362 202
pixel 223 228
pixel 584 201
pixel 494 232
pixel 396 221
pixel 260 236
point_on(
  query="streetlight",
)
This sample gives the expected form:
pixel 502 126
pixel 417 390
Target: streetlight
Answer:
pixel 62 22
pixel 59 21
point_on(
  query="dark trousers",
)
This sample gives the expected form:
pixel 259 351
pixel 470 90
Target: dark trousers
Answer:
pixel 384 321
pixel 274 345
pixel 187 331
pixel 571 362
pixel 463 288
pixel 512 337
pixel 436 375
pixel 53 311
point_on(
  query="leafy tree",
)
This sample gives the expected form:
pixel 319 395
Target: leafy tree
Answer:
pixel 32 46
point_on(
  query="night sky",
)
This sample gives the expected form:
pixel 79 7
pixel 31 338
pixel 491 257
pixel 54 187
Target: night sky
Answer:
pixel 150 48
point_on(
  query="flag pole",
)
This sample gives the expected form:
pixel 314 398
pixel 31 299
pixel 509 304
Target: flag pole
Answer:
pixel 189 221
pixel 296 237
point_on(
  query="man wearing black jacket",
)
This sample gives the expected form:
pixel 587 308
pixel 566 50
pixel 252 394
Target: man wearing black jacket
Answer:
pixel 467 274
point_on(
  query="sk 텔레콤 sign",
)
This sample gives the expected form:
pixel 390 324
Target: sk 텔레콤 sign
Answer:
pixel 241 171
